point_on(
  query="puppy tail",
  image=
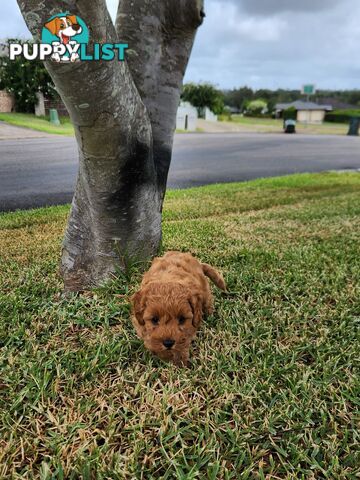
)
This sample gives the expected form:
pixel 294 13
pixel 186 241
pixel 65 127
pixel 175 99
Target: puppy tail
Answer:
pixel 215 276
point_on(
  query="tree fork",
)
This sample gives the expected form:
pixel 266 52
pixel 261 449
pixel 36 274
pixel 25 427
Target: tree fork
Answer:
pixel 124 117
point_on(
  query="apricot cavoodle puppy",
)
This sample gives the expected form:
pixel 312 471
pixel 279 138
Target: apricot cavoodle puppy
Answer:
pixel 168 309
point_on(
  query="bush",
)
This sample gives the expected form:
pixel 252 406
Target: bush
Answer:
pixel 256 108
pixel 341 116
pixel 290 114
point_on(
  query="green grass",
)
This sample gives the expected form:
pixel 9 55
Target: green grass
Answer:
pixel 259 125
pixel 43 124
pixel 40 124
pixel 273 391
pixel 268 125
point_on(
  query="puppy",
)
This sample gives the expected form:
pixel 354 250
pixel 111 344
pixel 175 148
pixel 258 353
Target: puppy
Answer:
pixel 64 28
pixel 168 309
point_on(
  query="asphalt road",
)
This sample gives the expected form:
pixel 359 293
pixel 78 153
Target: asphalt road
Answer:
pixel 36 172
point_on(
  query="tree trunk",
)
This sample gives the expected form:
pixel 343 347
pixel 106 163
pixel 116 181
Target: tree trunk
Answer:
pixel 160 35
pixel 124 128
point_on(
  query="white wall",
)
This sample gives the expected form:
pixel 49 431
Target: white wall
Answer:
pixel 187 117
pixel 311 116
pixel 210 116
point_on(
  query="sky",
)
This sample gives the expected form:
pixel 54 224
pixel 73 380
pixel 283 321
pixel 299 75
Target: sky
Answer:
pixel 262 43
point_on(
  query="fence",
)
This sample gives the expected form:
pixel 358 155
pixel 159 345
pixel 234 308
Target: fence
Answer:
pixel 7 102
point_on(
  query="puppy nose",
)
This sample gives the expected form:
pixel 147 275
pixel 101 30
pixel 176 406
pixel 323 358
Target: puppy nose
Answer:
pixel 168 343
pixel 76 27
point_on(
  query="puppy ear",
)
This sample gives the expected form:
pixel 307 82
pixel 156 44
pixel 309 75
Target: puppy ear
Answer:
pixel 52 26
pixel 196 305
pixel 138 303
pixel 72 19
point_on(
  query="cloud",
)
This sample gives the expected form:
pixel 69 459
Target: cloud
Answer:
pixel 273 47
pixel 263 30
pixel 273 7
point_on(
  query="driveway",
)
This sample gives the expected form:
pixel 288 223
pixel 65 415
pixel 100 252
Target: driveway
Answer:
pixel 11 132
pixel 37 172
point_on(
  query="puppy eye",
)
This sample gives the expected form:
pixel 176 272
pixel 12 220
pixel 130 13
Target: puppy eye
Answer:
pixel 155 320
pixel 182 320
pixel 62 26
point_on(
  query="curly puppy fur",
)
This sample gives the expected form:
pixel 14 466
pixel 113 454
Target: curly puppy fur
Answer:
pixel 168 309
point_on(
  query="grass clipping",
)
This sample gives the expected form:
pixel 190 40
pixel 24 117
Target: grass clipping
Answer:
pixel 273 392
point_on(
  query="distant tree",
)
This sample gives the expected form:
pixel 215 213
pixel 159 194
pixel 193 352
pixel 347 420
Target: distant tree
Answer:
pixel 204 95
pixel 287 96
pixel 256 108
pixel 351 97
pixel 265 94
pixel 24 79
pixel 238 97
pixel 354 97
pixel 271 97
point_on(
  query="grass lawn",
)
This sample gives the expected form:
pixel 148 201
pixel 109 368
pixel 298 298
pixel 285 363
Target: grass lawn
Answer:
pixel 40 124
pixel 273 391
pixel 268 125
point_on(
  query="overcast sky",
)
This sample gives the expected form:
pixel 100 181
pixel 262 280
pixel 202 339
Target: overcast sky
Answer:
pixel 262 43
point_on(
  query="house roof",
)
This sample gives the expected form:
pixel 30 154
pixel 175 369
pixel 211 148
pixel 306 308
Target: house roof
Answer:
pixel 232 109
pixel 301 105
pixel 339 105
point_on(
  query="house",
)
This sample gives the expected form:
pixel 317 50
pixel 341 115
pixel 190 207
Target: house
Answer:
pixel 306 112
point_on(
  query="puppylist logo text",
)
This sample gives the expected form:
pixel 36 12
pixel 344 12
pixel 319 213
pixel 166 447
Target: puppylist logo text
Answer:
pixel 64 39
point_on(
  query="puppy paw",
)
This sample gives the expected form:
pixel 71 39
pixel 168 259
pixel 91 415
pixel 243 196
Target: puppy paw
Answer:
pixel 181 364
pixel 181 361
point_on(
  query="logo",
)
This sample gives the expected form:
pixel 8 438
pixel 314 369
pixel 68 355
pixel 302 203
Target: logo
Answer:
pixel 66 33
pixel 65 38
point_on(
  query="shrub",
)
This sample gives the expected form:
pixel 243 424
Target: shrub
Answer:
pixel 341 116
pixel 256 108
pixel 290 114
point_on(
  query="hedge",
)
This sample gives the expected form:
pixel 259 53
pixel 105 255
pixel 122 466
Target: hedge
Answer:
pixel 341 116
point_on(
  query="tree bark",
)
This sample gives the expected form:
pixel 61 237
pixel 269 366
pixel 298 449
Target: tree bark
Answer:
pixel 124 128
pixel 161 36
